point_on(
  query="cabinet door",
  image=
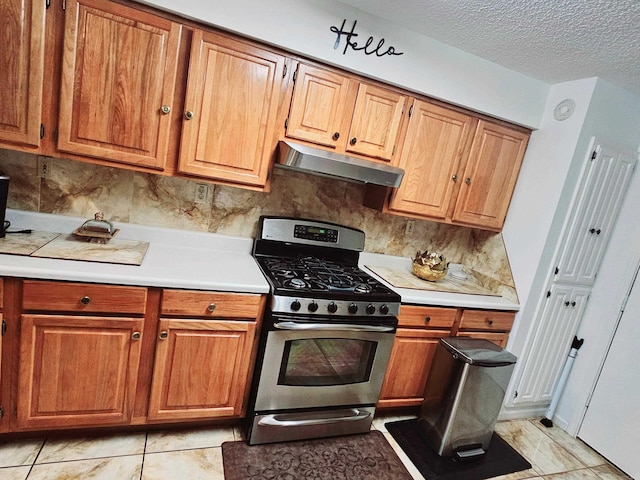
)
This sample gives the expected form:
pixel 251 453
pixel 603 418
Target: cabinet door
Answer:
pixel 409 366
pixel 21 71
pixel 201 369
pixel 118 79
pixel 77 371
pixel 321 107
pixel 490 175
pixel 376 122
pixel 550 343
pixel 232 98
pixel 600 197
pixel 433 147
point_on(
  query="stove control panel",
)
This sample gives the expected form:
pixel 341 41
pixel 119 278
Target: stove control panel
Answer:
pixel 308 306
pixel 319 234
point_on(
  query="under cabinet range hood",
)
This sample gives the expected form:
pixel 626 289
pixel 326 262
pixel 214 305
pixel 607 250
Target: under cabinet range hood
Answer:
pixel 321 162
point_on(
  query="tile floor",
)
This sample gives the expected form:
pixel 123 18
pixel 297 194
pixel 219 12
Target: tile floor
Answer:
pixel 196 454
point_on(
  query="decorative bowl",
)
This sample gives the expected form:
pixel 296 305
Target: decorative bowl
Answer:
pixel 430 266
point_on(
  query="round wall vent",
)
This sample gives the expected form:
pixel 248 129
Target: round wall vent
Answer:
pixel 564 109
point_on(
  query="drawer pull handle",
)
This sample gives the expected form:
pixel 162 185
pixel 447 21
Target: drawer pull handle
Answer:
pixel 427 319
pixel 136 335
pixel 353 141
pixel 165 109
pixel 211 307
pixel 489 322
pixel 336 135
pixel 188 115
pixel 85 300
pixel 163 335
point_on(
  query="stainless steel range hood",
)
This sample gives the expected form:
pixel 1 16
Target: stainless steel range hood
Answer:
pixel 320 162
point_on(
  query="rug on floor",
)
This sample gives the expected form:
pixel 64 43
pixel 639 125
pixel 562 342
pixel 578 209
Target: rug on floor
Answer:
pixel 500 458
pixel 366 456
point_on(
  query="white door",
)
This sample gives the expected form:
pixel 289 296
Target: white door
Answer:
pixel 612 423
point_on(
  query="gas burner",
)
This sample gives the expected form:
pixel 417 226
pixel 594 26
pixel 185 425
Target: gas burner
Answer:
pixel 363 288
pixel 296 283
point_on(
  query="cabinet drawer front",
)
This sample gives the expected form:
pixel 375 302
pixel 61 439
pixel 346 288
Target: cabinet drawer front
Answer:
pixel 81 297
pixel 1 293
pixel 486 320
pixel 417 316
pixel 211 304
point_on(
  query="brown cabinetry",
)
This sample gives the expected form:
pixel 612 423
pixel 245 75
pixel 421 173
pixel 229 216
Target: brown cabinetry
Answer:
pixel 233 93
pixel 203 363
pixel 458 169
pixel 77 369
pixel 419 330
pixel 21 71
pixel 118 78
pixel 337 111
pixel 492 325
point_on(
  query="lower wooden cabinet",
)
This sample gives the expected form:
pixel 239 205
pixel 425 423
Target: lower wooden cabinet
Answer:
pixel 77 370
pixel 201 368
pixel 491 325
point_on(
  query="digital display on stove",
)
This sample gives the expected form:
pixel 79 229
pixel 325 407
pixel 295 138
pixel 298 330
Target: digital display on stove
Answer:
pixel 309 232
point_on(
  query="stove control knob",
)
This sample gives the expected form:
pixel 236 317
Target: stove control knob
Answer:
pixel 384 309
pixel 353 308
pixel 371 309
pixel 332 307
pixel 313 306
pixel 295 305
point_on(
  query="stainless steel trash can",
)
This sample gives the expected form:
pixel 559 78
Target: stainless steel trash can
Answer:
pixel 463 396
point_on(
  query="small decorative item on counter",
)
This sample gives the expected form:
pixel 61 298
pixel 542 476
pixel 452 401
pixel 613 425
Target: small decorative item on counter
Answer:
pixel 430 266
pixel 97 230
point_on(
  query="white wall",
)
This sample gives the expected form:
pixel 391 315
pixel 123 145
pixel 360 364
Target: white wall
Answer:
pixel 426 66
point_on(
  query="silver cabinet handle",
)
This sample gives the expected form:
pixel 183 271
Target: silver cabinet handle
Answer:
pixel 165 109
pixel 280 420
pixel 86 300
pixel 188 115
pixel 163 335
pixel 211 307
pixel 334 327
pixel 136 335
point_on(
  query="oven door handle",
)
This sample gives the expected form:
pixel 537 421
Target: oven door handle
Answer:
pixel 352 415
pixel 340 327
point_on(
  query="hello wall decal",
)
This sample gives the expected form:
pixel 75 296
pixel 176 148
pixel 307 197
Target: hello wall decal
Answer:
pixel 368 48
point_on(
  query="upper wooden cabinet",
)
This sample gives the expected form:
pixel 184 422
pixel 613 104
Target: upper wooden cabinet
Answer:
pixel 117 85
pixel 232 99
pixel 490 175
pixel 458 169
pixel 339 112
pixel 21 71
pixel 431 157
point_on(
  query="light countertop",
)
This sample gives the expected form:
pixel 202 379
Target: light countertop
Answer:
pixel 194 260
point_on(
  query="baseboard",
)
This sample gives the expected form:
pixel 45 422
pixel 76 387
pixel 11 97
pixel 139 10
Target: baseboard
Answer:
pixel 516 413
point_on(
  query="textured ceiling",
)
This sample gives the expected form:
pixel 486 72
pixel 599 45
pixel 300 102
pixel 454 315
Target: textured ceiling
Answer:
pixel 551 40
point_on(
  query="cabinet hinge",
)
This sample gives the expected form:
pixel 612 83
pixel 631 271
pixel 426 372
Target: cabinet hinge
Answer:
pixel 556 271
pixel 410 110
pixel 393 152
pixel 295 74
pixel 548 293
pixel 47 3
pixel 286 123
pixel 284 71
pixel 1 412
pixel 515 394
pixel 594 154
pixel 41 131
pixel 4 327
pixel 64 4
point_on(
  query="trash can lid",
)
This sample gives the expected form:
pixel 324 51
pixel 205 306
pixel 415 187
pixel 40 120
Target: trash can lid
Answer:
pixel 478 351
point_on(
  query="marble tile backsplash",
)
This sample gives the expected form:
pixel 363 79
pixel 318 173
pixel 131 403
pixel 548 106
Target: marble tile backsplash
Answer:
pixel 80 189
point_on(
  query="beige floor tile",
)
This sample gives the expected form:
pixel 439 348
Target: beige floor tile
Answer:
pixel 545 455
pixel 20 452
pixel 188 439
pixel 14 473
pixel 65 449
pixel 379 421
pixel 574 445
pixel 584 474
pixel 120 468
pixel 415 473
pixel 200 464
pixel 609 472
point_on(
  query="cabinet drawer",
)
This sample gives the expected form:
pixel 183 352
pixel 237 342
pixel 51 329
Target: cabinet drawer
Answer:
pixel 432 317
pixel 1 293
pixel 83 297
pixel 486 320
pixel 211 304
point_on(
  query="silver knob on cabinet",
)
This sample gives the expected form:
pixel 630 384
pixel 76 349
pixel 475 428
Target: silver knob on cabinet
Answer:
pixel 467 180
pixel 86 300
pixel 211 307
pixel 163 335
pixel 136 335
pixel 455 177
pixel 165 109
pixel 188 114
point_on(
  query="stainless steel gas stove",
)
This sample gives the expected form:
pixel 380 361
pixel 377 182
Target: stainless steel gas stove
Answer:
pixel 326 337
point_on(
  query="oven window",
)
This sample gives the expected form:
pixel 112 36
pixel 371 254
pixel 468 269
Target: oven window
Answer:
pixel 326 361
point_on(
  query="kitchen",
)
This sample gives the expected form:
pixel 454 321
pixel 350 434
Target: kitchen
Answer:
pixel 530 227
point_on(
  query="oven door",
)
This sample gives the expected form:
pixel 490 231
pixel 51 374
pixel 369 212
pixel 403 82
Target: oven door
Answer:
pixel 311 363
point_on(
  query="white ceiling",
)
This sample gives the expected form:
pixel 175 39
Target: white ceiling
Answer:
pixel 550 40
